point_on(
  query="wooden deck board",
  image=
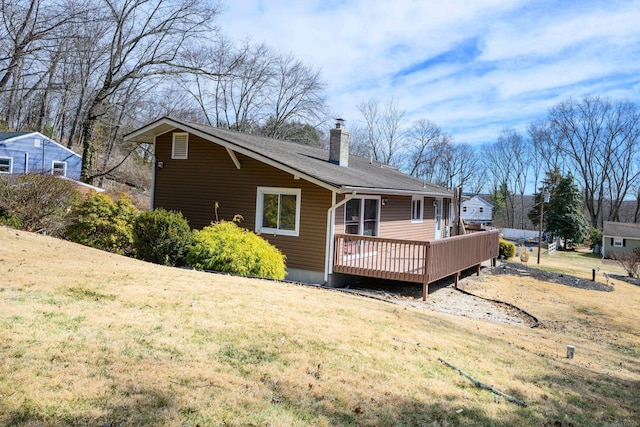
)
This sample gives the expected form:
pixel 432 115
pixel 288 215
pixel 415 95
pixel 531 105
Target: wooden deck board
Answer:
pixel 412 261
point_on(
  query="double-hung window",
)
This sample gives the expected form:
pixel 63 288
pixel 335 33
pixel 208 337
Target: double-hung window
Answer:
pixel 417 206
pixel 6 164
pixel 278 211
pixel 618 242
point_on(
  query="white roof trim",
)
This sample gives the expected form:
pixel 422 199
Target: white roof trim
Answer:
pixel 39 135
pixel 82 184
pixel 383 191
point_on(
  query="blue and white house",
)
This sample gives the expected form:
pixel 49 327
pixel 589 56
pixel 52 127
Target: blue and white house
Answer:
pixel 32 152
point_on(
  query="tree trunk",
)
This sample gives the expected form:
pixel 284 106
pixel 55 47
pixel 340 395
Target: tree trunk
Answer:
pixel 89 151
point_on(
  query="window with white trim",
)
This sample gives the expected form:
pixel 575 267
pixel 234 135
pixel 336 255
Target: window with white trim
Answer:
pixel 59 168
pixel 6 164
pixel 180 145
pixel 618 242
pixel 278 211
pixel 417 209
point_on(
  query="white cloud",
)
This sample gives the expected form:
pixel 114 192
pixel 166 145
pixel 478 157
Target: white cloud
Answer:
pixel 530 54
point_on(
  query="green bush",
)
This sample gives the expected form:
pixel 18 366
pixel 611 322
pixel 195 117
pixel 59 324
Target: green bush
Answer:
pixel 36 202
pixel 594 237
pixel 507 249
pixel 102 223
pixel 225 247
pixel 161 237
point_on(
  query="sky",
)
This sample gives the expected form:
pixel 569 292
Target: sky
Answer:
pixel 474 67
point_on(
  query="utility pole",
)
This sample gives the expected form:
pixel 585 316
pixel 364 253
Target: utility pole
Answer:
pixel 545 199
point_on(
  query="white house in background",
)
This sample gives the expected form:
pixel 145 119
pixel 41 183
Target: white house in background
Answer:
pixel 477 211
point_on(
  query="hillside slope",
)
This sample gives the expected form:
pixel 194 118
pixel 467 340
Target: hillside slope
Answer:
pixel 90 338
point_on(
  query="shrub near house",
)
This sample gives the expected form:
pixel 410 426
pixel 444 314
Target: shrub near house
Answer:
pixel 36 202
pixel 507 249
pixel 102 223
pixel 225 247
pixel 161 237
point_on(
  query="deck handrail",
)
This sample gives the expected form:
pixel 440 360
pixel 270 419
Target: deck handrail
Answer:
pixel 420 261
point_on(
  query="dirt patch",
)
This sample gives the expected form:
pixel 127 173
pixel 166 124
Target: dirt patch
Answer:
pixel 444 298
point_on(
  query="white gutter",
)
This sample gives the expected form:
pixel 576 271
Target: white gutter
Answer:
pixel 154 166
pixel 331 221
pixel 390 191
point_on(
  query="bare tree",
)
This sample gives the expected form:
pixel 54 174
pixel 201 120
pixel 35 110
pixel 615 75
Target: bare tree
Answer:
pixel 425 143
pixel 600 139
pixel 497 161
pixel 27 29
pixel 144 41
pixel 298 93
pixel 383 129
pixel 456 165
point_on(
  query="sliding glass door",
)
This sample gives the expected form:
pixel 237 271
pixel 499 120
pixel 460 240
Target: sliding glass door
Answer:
pixel 362 216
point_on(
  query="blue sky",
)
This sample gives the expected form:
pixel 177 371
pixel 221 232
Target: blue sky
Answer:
pixel 473 67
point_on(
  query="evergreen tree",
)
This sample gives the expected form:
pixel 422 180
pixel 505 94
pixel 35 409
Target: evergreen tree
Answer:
pixel 549 184
pixel 564 216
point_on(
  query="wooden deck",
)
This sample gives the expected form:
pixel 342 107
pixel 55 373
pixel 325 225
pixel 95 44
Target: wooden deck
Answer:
pixel 411 260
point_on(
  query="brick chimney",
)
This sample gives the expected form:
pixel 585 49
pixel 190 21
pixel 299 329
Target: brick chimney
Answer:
pixel 339 144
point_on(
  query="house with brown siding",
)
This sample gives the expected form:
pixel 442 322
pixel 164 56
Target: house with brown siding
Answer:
pixel 298 197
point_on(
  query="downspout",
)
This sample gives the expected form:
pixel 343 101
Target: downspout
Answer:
pixel 329 245
pixel 153 177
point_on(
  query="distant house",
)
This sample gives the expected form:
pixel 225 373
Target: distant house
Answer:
pixel 32 152
pixel 329 212
pixel 619 237
pixel 477 211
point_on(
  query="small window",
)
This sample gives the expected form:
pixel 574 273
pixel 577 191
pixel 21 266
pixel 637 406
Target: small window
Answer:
pixel 180 146
pixel 37 142
pixel 481 209
pixel 618 242
pixel 464 209
pixel 417 204
pixel 278 211
pixel 6 164
pixel 59 168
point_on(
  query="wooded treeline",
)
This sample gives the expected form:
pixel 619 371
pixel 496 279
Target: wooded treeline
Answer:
pixel 85 72
pixel 594 139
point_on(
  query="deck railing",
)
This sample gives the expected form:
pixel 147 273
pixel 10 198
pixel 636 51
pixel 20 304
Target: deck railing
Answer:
pixel 412 260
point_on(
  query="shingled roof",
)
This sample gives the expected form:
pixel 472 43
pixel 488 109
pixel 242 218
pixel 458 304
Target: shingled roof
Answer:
pixel 621 229
pixel 308 162
pixel 8 135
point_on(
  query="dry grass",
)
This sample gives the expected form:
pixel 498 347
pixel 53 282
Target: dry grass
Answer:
pixel 578 263
pixel 89 338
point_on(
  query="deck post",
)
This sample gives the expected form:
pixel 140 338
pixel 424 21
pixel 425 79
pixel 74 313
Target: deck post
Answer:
pixel 478 270
pixel 456 277
pixel 425 277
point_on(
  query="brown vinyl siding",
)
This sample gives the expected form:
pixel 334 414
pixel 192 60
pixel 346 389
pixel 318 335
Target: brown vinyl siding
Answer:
pixel 194 185
pixel 395 219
